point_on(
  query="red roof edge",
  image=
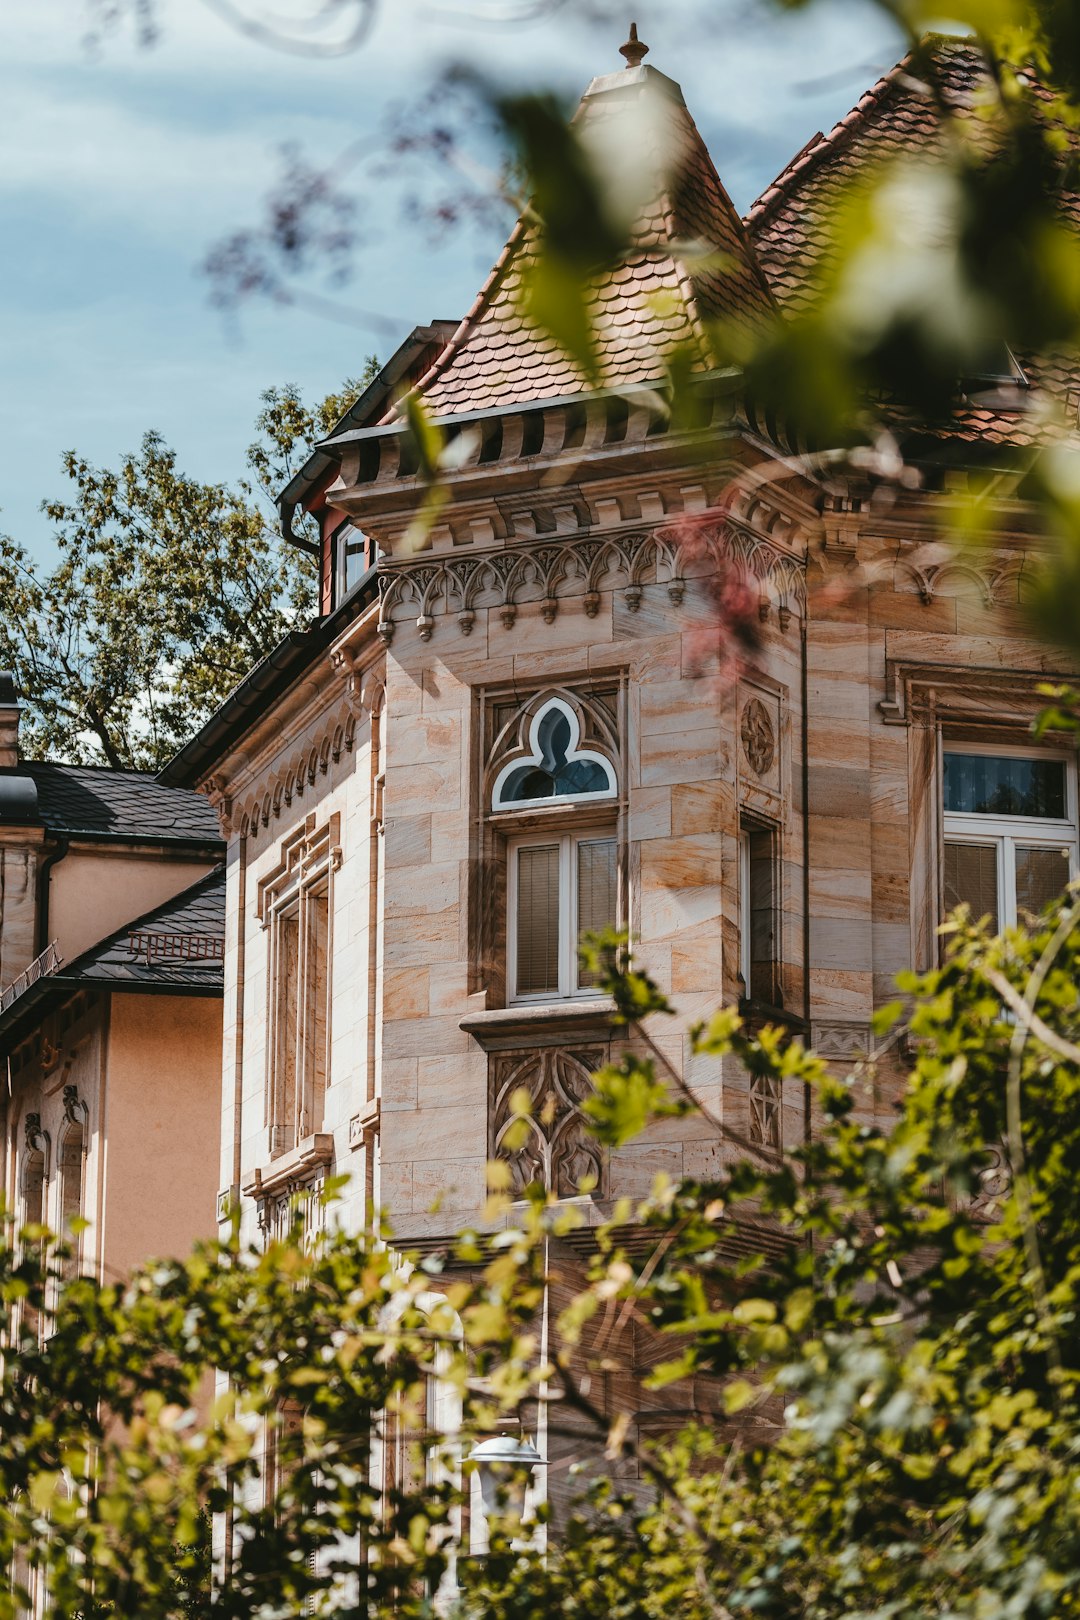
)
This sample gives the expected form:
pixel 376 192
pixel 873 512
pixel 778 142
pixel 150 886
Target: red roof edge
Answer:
pixel 811 154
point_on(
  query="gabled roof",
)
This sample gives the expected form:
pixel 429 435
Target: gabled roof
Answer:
pixel 789 224
pixel 645 306
pixel 97 802
pixel 178 948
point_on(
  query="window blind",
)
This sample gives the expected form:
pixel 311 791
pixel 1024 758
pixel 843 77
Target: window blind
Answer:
pixel 597 878
pixel 970 875
pixel 538 919
pixel 1041 875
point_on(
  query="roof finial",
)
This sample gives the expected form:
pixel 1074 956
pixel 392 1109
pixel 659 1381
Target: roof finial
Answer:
pixel 633 50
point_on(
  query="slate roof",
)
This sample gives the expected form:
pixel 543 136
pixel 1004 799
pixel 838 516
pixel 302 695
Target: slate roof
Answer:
pixel 149 954
pixel 789 224
pixel 97 802
pixel 643 308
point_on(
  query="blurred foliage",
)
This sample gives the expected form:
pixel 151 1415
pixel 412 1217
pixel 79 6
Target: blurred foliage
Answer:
pixel 893 1376
pixel 166 592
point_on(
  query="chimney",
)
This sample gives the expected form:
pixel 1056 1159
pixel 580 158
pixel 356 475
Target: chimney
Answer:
pixel 9 721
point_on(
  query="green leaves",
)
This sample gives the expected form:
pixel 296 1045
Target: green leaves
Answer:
pixel 199 571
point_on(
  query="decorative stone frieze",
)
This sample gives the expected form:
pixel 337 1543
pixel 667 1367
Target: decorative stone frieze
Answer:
pixel 290 781
pixel 997 578
pixel 846 1041
pixel 553 571
pixel 558 1151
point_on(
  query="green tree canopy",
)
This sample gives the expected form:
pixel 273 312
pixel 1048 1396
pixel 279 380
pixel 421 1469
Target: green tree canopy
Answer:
pixel 908 1350
pixel 164 594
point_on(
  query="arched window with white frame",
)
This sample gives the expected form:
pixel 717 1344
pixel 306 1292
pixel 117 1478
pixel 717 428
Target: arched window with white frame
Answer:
pixel 558 799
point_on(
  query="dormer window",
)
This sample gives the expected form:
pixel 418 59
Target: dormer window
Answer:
pixel 351 554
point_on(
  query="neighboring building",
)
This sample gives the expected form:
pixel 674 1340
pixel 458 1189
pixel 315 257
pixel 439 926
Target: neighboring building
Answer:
pixel 111 946
pixel 517 732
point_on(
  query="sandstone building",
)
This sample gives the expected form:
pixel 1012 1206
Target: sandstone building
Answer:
pixel 535 724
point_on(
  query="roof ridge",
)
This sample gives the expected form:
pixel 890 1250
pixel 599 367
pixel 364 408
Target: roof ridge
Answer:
pixel 808 155
pixel 458 340
pixel 682 268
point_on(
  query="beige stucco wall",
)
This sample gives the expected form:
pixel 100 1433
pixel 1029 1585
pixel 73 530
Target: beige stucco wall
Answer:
pixel 94 892
pixel 159 1119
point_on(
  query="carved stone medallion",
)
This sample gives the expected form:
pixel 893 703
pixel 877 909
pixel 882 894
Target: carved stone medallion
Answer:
pixel 758 737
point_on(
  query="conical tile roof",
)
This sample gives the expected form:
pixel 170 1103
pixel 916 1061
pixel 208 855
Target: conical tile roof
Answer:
pixel 658 298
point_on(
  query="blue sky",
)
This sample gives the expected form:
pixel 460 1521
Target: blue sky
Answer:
pixel 121 167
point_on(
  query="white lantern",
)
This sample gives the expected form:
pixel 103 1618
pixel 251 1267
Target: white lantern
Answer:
pixel 505 1465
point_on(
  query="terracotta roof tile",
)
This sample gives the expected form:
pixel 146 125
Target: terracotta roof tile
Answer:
pixel 645 307
pixel 788 226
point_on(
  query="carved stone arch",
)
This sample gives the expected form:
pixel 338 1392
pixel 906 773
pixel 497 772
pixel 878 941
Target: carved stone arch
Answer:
pixel 245 825
pixel 573 745
pixel 267 808
pixel 324 756
pixel 312 766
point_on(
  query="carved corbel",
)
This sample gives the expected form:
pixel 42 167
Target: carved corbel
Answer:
pixel 75 1109
pixel 36 1139
pixel 842 520
pixel 343 662
pixel 221 803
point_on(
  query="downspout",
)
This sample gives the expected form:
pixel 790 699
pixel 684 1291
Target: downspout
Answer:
pixel 238 1108
pixel 807 1096
pixel 375 828
pixel 44 880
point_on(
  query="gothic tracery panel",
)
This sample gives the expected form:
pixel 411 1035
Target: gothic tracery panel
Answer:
pixel 558 1151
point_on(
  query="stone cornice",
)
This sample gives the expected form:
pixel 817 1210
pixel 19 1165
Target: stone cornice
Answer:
pixel 550 571
pixel 348 684
pixel 958 694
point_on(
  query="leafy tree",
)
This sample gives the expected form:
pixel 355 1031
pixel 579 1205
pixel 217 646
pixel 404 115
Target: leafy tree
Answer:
pixel 166 592
pixel 909 1355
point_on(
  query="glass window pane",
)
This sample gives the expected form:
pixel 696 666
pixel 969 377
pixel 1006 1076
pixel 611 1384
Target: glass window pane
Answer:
pixel 1041 875
pixel 597 885
pixel 538 920
pixel 971 877
pixel 999 785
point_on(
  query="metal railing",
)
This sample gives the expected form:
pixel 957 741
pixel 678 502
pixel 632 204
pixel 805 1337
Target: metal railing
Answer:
pixel 40 968
pixel 154 947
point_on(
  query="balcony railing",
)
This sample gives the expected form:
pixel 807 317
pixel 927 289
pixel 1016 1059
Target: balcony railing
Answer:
pixel 40 968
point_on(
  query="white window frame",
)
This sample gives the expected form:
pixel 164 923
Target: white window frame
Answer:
pixel 569 988
pixel 341 537
pixel 1004 833
pixel 534 757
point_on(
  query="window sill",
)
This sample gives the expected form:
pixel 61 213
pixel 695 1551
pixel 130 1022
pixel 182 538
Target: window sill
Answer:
pixel 308 1157
pixel 547 1023
pixel 756 1014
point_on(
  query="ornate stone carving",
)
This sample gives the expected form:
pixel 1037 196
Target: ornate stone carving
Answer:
pixel 75 1110
pixel 558 1151
pixel 548 572
pixel 935 570
pixel 758 736
pixel 766 1117
pixel 36 1140
pixel 845 1040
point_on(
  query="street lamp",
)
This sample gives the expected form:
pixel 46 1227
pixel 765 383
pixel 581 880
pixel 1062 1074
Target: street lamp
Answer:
pixel 505 1464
